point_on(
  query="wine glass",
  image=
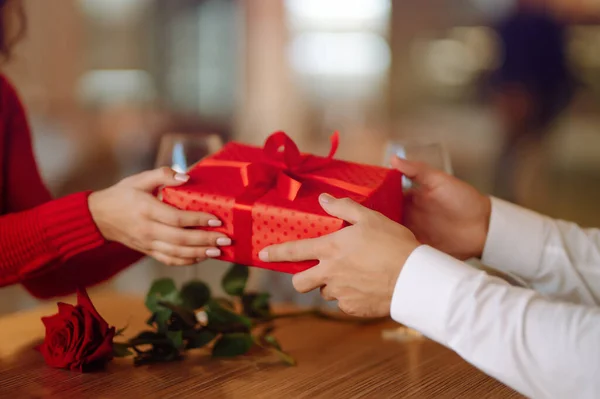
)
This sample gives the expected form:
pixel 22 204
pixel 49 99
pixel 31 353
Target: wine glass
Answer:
pixel 180 151
pixel 432 153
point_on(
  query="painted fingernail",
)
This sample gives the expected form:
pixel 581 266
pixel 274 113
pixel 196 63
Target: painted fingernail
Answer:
pixel 213 252
pixel 223 241
pixel 215 223
pixel 264 256
pixel 325 198
pixel 182 177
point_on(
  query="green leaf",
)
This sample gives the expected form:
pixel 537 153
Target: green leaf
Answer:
pixel 121 349
pixel 195 295
pixel 161 290
pixel 234 281
pixel 120 331
pixel 225 320
pixel 256 304
pixel 176 338
pixel 158 354
pixel 148 335
pixel 161 319
pixel 285 357
pixel 224 302
pixel 186 315
pixel 268 330
pixel 151 320
pixel 272 341
pixel 149 338
pixel 199 339
pixel 231 345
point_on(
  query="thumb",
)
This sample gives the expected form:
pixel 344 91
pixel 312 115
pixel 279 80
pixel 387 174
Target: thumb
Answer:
pixel 344 208
pixel 151 180
pixel 418 172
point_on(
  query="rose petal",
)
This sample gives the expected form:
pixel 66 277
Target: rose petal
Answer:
pixel 53 350
pixel 105 350
pixel 77 337
pixel 93 336
pixel 65 312
pixel 85 302
pixel 77 365
pixel 65 309
pixel 78 332
pixel 51 322
pixel 71 335
pixel 89 338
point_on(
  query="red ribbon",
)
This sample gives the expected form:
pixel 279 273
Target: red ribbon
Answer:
pixel 284 169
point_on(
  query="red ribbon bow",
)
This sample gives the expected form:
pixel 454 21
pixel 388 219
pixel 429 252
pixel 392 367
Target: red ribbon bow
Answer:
pixel 285 163
pixel 282 168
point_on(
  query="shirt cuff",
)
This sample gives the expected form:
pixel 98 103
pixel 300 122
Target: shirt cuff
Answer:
pixel 425 289
pixel 515 241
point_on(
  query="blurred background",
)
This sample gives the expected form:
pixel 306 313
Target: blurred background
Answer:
pixel 510 87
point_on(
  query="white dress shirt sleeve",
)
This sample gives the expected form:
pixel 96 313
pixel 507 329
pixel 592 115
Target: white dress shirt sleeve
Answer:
pixel 556 258
pixel 539 347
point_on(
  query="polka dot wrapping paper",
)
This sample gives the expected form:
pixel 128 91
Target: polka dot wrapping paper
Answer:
pixel 269 195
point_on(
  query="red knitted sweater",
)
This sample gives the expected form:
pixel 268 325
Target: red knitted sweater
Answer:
pixel 50 246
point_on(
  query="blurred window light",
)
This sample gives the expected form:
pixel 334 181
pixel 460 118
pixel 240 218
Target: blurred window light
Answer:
pixel 449 62
pixel 217 66
pixel 113 11
pixel 340 54
pixel 495 8
pixel 583 46
pixel 482 42
pixel 338 14
pixel 591 6
pixel 584 55
pixel 103 87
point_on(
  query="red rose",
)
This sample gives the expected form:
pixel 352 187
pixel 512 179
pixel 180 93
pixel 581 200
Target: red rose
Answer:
pixel 77 337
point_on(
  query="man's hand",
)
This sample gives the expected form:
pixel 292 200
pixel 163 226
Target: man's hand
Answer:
pixel 445 212
pixel 358 265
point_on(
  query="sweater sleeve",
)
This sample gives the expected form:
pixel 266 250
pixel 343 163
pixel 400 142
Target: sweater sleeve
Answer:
pixel 83 270
pixel 40 236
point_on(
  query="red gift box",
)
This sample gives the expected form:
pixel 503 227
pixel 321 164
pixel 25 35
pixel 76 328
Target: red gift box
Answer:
pixel 269 195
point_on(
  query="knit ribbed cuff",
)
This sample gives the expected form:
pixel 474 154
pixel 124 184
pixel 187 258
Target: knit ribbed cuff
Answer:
pixel 69 226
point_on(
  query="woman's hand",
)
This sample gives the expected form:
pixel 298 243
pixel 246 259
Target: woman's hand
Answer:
pixel 130 214
pixel 358 265
pixel 445 212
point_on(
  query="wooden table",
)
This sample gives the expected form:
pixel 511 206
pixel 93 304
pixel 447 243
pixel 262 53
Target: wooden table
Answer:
pixel 334 361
